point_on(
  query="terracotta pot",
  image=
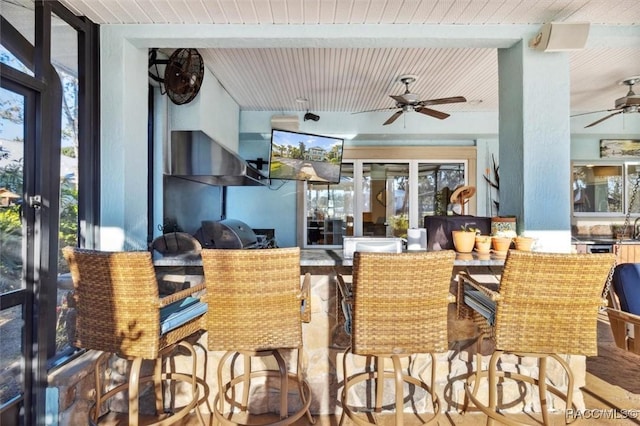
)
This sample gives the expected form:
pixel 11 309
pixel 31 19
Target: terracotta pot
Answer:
pixel 483 244
pixel 524 243
pixel 463 241
pixel 500 244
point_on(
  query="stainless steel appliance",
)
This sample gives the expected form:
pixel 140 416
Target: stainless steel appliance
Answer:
pixel 230 234
pixel 196 157
pixel 600 248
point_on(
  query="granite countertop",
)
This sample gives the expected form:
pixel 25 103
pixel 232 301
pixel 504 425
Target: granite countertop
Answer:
pixel 319 257
pixel 597 239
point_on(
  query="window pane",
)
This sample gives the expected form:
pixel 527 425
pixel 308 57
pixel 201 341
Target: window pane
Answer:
pixel 21 15
pixel 597 189
pixel 385 189
pixel 329 210
pixel 11 371
pixel 633 187
pixel 11 242
pixel 436 183
pixel 64 52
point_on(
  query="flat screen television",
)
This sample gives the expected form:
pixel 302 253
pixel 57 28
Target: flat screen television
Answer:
pixel 305 156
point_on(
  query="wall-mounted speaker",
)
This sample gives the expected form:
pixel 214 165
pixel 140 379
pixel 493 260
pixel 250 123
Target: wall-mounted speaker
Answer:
pixel 561 37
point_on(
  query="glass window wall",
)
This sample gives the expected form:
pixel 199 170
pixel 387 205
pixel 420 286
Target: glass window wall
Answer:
pixel 380 196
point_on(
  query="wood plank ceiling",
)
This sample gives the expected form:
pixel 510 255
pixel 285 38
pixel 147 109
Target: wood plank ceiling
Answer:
pixel 356 79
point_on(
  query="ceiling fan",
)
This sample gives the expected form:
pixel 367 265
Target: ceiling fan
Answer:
pixel 627 104
pixel 411 101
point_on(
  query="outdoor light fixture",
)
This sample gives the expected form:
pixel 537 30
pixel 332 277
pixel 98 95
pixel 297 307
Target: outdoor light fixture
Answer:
pixel 311 116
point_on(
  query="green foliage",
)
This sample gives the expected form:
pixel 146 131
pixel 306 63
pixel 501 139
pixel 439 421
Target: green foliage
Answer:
pixel 68 151
pixel 10 248
pixel 400 224
pixel 467 228
pixel 11 176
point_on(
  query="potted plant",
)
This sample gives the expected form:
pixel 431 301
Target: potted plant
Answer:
pixel 523 243
pixel 464 239
pixel 501 241
pixel 483 243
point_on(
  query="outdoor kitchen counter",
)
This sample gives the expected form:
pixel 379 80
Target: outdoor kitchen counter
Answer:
pixel 317 257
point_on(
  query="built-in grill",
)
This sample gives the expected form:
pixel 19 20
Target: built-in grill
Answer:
pixel 230 234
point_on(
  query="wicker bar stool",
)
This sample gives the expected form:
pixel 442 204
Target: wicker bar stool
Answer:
pixel 119 312
pixel 547 306
pixel 400 304
pixel 256 309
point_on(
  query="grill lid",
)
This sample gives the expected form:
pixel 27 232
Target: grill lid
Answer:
pixel 229 234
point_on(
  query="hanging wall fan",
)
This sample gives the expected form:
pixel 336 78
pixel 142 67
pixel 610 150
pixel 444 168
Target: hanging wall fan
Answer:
pixel 182 76
pixel 410 101
pixel 625 105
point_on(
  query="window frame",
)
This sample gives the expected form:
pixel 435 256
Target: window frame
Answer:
pixel 41 262
pixel 413 156
pixel 626 198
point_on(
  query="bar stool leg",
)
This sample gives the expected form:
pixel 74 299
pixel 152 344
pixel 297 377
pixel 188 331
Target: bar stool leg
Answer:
pixel 102 359
pixel 301 385
pixel 344 385
pixel 157 384
pixel 379 364
pixel 134 387
pixel 246 382
pixel 397 372
pixel 542 388
pixel 284 384
pixel 493 384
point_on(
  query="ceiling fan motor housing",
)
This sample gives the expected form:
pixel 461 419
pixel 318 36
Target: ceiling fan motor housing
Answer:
pixel 627 101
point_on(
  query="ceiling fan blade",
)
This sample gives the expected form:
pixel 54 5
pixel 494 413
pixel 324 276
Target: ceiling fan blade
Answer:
pixel 373 110
pixel 393 118
pixel 451 100
pixel 602 119
pixel 399 99
pixel 432 112
pixel 593 112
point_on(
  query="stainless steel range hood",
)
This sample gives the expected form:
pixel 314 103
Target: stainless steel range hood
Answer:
pixel 197 157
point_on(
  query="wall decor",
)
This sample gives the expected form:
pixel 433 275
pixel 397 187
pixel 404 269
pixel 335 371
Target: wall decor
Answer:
pixel 619 148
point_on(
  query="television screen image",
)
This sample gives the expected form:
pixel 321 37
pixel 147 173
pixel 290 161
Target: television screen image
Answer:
pixel 304 156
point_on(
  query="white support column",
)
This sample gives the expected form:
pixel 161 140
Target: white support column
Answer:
pixel 535 144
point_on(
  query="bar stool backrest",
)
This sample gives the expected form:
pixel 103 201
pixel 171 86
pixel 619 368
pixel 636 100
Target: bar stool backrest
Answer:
pixel 117 301
pixel 254 299
pixel 549 302
pixel 400 302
